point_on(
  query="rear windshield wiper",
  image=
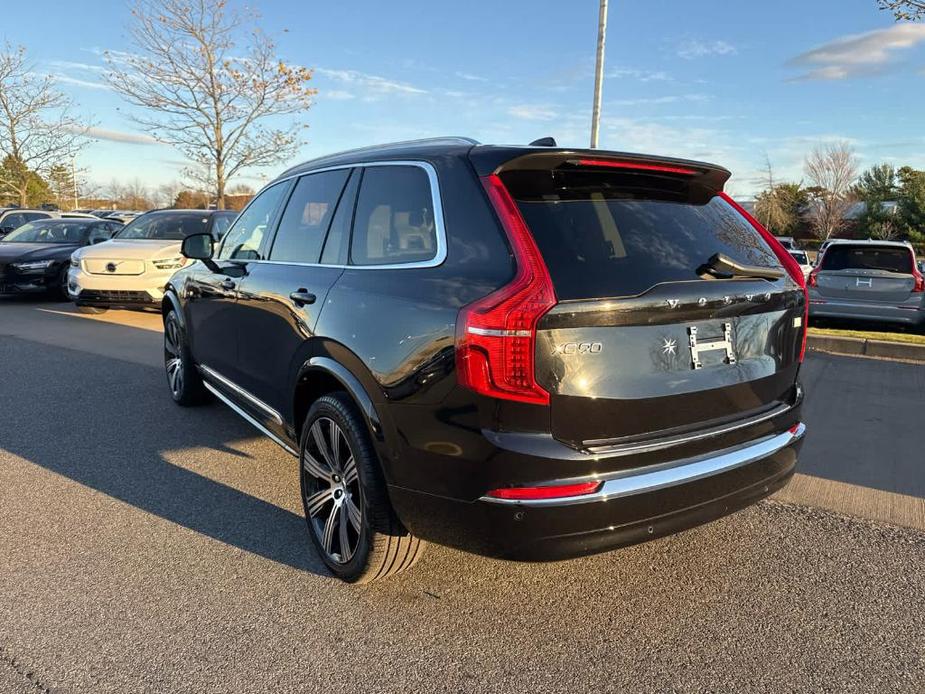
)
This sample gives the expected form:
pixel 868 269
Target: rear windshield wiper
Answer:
pixel 720 266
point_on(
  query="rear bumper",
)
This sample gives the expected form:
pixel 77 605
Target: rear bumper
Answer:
pixel 632 506
pixel 911 312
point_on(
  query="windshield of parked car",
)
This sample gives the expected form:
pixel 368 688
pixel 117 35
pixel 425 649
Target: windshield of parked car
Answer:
pixel 165 226
pixel 51 231
pixel 889 258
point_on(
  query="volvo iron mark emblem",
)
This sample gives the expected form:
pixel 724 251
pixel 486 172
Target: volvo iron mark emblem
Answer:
pixel 110 267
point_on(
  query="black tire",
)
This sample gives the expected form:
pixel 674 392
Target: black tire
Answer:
pixel 183 379
pixel 377 544
pixel 91 310
pixel 60 291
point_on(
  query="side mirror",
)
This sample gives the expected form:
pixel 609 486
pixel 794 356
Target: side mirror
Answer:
pixel 197 247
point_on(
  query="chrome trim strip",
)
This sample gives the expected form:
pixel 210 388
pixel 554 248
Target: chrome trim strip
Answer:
pixel 439 225
pixel 255 401
pixel 650 479
pixel 263 430
pixel 644 447
pixel 491 332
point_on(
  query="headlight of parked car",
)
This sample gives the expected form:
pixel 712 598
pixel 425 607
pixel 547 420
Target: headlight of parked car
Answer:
pixel 32 265
pixel 169 263
pixel 75 261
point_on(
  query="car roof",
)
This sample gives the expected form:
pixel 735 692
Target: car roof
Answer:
pixel 868 242
pixel 440 146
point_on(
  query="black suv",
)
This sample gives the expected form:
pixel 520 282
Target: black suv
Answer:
pixel 526 352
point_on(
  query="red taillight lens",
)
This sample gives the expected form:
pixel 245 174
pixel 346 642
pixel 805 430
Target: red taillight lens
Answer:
pixel 561 491
pixel 811 282
pixel 919 285
pixel 496 335
pixel 636 166
pixel 783 255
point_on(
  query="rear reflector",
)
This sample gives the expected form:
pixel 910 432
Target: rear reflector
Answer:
pixel 561 491
pixel 636 166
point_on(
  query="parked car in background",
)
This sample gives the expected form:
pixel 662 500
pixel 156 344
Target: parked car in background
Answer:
pixel 130 271
pixel 35 257
pixel 787 242
pixel 526 352
pixel 12 218
pixel 868 280
pixel 803 260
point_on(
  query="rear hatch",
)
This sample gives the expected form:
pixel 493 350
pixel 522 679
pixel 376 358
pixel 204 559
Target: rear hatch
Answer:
pixel 649 340
pixel 866 272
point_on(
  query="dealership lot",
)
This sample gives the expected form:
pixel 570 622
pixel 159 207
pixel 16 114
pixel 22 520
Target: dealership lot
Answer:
pixel 149 548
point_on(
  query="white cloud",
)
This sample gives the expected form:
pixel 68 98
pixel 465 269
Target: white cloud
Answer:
pixel 532 112
pixel 70 65
pixel 469 76
pixel 373 84
pixel 87 84
pixel 640 75
pixel 694 48
pixel 336 95
pixel 857 54
pixel 658 100
pixel 117 136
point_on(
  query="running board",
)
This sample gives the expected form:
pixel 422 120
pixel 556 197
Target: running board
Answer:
pixel 269 434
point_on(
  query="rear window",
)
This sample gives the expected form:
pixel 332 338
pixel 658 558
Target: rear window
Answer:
pixel 606 234
pixel 165 226
pixel 889 258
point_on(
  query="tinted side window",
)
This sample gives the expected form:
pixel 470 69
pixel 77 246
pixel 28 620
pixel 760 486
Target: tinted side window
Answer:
pixel 220 224
pixel 335 246
pixel 17 219
pixel 394 220
pixel 307 216
pixel 29 216
pixel 243 240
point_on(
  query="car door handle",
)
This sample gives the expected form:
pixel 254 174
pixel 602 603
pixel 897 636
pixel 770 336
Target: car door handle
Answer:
pixel 302 297
pixel 229 285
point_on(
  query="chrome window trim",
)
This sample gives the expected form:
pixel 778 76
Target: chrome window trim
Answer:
pixel 244 415
pixel 436 199
pixel 253 399
pixel 652 478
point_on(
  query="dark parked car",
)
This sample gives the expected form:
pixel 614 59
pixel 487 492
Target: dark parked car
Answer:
pixel 525 352
pixel 868 280
pixel 35 258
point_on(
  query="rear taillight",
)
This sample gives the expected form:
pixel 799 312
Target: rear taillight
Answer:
pixel 788 261
pixel 561 491
pixel 919 284
pixel 496 335
pixel 811 282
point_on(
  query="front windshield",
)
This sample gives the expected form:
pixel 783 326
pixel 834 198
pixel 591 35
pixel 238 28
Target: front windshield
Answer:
pixel 51 231
pixel 165 226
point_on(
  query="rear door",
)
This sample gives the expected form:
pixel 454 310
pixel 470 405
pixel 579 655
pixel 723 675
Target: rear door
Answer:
pixel 648 341
pixel 866 272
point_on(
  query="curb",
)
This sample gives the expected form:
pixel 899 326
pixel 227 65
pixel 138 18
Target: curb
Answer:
pixel 862 347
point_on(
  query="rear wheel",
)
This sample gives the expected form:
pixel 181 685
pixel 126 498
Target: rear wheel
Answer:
pixel 182 377
pixel 350 520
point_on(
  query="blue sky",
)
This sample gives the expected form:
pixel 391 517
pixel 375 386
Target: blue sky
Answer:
pixel 722 81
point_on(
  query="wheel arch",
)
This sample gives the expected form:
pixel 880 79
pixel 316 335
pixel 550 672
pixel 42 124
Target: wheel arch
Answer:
pixel 171 302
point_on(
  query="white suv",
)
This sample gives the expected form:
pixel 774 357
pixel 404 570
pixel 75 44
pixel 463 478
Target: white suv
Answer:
pixel 131 270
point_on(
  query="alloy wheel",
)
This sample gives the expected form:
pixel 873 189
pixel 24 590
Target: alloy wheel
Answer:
pixel 173 356
pixel 331 490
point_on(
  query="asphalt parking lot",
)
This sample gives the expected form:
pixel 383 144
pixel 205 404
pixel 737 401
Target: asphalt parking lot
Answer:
pixel 147 548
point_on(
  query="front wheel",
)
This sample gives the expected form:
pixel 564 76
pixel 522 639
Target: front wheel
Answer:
pixel 350 519
pixel 184 381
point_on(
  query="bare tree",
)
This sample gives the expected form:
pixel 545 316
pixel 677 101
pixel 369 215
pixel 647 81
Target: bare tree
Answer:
pixel 37 132
pixel 832 170
pixel 904 10
pixel 205 94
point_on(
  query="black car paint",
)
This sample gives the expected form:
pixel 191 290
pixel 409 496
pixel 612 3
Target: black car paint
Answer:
pixel 13 281
pixel 387 337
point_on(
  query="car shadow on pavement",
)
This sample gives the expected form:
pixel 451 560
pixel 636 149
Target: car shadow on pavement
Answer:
pixel 110 425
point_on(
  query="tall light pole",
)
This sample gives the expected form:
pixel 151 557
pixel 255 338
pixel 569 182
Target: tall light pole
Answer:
pixel 599 73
